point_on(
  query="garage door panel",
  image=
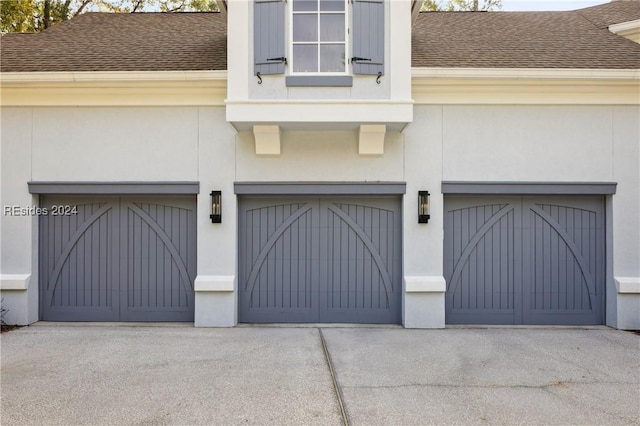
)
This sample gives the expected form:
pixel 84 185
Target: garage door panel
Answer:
pixel 76 252
pixel 157 237
pixel 361 261
pixel 366 290
pixel 339 257
pixel 480 260
pixel 353 252
pixel 125 260
pixel 275 264
pixel 540 258
pixel 566 261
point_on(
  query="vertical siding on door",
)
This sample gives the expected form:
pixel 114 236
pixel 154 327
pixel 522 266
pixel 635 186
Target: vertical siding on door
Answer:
pixel 360 257
pixel 158 245
pixel 566 260
pixel 276 246
pixel 479 261
pixel 118 259
pixel 524 260
pixel 75 262
pixel 318 260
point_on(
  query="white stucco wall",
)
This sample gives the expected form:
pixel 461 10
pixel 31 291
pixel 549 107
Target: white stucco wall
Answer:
pixel 626 213
pixel 527 143
pixel 320 156
pixel 626 203
pixel 423 254
pixel 18 239
pixel 216 242
pixel 115 143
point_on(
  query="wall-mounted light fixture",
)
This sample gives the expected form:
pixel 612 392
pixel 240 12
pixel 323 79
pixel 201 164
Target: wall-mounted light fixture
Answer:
pixel 216 207
pixel 423 207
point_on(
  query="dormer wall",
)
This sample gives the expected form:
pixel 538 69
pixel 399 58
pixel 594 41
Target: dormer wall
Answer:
pixel 376 64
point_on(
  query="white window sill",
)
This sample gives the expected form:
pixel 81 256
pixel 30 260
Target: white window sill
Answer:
pixel 319 81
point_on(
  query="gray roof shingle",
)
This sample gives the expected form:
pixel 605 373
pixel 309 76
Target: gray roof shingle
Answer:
pixel 570 39
pixel 122 42
pixel 198 41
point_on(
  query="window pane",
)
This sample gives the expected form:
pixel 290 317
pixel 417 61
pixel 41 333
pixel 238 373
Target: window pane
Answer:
pixel 332 5
pixel 332 58
pixel 305 27
pixel 332 27
pixel 305 5
pixel 305 58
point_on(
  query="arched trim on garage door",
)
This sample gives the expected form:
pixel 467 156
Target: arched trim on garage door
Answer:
pixel 161 233
pixel 584 269
pixel 538 259
pixel 373 250
pixel 118 258
pixel 319 259
pixel 266 249
pixel 53 279
pixel 473 242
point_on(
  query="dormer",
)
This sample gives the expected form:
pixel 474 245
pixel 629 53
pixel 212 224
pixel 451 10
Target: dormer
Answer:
pixel 319 64
pixel 629 29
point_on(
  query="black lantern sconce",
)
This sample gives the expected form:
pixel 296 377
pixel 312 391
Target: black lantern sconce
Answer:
pixel 216 207
pixel 423 207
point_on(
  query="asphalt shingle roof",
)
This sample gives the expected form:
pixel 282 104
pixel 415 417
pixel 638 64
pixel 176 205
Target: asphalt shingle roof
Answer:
pixel 122 42
pixel 570 39
pixel 198 41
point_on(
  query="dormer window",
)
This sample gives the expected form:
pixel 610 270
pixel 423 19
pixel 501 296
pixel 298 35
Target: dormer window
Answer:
pixel 319 36
pixel 310 41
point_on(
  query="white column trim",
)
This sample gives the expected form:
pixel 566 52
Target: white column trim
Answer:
pixel 628 285
pixel 215 283
pixel 425 284
pixel 14 281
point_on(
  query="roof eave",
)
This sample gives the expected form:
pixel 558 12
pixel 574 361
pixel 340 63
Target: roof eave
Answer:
pixel 111 76
pixel 500 86
pixel 527 73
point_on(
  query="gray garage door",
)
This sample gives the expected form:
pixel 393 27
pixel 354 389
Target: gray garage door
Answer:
pixel 117 259
pixel 524 260
pixel 320 260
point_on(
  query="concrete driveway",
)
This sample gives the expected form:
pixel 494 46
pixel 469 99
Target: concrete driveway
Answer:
pixel 96 374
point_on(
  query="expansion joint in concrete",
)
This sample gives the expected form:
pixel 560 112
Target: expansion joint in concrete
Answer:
pixel 334 380
pixel 557 384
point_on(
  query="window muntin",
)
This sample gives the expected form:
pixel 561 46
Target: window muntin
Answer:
pixel 319 36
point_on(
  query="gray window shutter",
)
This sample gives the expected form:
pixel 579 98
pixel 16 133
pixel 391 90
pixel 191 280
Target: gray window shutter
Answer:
pixel 368 37
pixel 268 36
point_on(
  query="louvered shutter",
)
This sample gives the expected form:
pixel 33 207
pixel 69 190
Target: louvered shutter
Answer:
pixel 268 36
pixel 368 37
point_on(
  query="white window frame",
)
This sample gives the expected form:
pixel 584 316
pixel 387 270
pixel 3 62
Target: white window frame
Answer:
pixel 347 41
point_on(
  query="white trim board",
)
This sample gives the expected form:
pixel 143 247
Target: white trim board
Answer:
pixel 520 86
pixel 525 86
pixel 170 88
